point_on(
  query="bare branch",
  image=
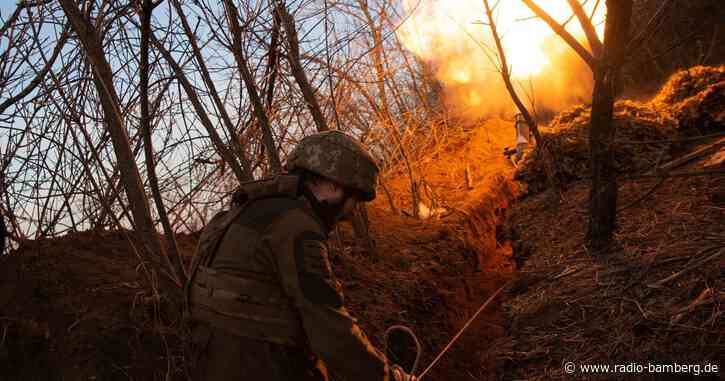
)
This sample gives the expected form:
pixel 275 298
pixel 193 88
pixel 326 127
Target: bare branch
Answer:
pixel 103 79
pixel 259 109
pixel 178 266
pixel 293 55
pixel 586 23
pixel 566 36
pixel 38 77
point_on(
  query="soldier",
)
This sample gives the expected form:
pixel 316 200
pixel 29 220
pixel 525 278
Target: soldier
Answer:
pixel 522 136
pixel 262 291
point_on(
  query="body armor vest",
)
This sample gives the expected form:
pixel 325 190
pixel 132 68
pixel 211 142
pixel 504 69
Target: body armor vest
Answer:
pixel 246 304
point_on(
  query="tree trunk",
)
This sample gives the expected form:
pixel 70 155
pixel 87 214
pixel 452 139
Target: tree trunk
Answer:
pixel 298 71
pixel 249 83
pixel 606 69
pixel 603 194
pixel 103 80
pixel 145 124
pixel 112 185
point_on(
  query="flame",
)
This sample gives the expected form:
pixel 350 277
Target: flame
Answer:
pixel 453 37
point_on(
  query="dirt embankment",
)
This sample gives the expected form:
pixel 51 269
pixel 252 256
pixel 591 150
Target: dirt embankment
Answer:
pixel 690 105
pixel 433 274
pixel 76 308
pixel 658 297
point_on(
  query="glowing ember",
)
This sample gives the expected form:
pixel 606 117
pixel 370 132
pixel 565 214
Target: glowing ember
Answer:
pixel 452 37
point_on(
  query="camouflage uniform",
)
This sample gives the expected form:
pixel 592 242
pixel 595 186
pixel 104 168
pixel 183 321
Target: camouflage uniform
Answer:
pixel 268 302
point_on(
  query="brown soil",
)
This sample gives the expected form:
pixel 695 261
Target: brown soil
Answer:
pixel 658 296
pixel 569 306
pixel 690 104
pixel 433 275
pixel 75 308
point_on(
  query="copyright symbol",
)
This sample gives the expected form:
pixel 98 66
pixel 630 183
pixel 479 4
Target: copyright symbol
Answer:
pixel 569 367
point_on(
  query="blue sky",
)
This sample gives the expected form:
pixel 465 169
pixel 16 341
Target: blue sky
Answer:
pixel 6 8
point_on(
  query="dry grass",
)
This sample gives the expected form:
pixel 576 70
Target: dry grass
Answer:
pixel 659 297
pixel 689 82
pixel 691 104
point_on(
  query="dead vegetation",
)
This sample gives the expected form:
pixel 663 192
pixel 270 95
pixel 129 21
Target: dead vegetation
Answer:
pixel 687 83
pixel 659 296
pixel 647 134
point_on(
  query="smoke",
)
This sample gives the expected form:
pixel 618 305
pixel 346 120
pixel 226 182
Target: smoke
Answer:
pixel 452 38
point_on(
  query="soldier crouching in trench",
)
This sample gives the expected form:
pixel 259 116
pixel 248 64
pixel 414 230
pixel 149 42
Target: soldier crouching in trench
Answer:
pixel 262 293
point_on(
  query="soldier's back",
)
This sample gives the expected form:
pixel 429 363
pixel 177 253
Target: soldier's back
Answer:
pixel 244 253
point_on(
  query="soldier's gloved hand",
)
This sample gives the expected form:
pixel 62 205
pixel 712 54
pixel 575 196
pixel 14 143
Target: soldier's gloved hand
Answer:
pixel 400 375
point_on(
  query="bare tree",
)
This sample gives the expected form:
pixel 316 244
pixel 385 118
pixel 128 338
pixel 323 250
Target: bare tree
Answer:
pixel 89 88
pixel 298 71
pixel 506 76
pixel 605 61
pixel 259 109
pixel 146 7
pixel 103 79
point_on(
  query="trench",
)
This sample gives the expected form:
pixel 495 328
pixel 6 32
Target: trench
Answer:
pixel 73 307
pixel 433 276
pixel 475 354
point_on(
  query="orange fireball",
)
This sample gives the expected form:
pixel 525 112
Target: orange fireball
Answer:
pixel 452 36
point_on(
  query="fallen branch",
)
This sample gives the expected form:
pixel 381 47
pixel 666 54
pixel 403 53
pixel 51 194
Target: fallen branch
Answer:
pixel 706 172
pixel 686 270
pixel 681 140
pixel 693 155
pixel 705 297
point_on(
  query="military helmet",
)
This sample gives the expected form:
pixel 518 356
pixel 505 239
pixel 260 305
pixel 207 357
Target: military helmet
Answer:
pixel 339 157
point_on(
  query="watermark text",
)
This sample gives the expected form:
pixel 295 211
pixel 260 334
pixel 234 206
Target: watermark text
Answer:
pixel 634 368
